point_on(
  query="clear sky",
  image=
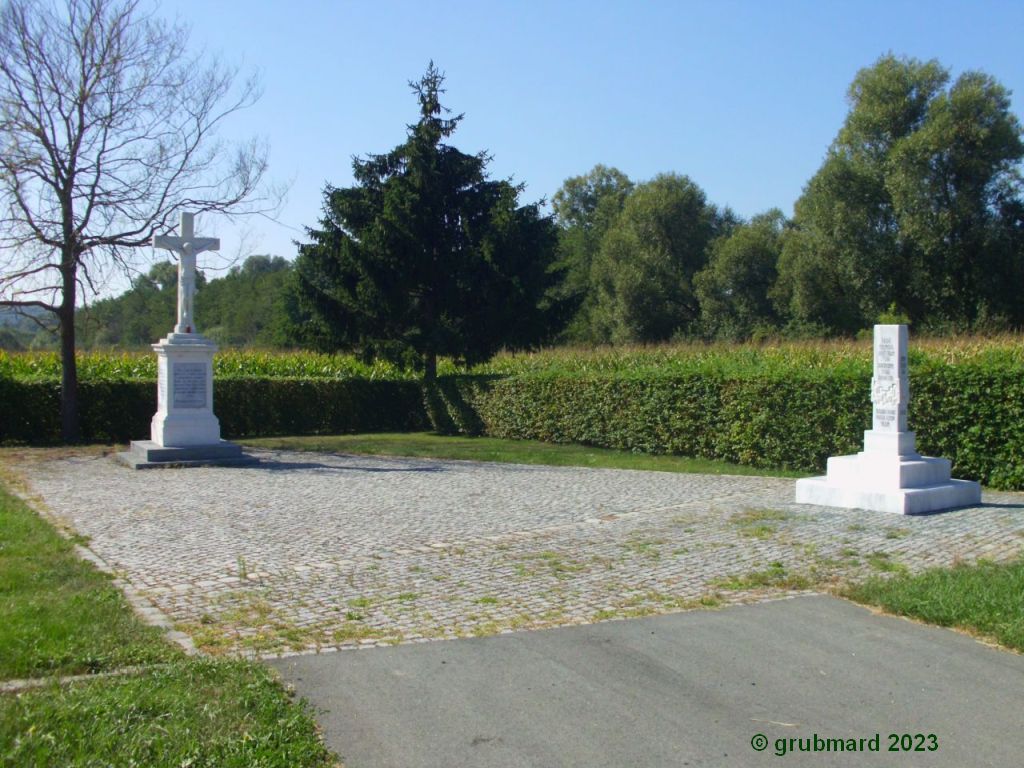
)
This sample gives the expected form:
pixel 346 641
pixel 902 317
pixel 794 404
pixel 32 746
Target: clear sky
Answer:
pixel 743 96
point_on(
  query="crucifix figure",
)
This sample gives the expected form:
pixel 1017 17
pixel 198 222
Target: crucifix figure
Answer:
pixel 186 246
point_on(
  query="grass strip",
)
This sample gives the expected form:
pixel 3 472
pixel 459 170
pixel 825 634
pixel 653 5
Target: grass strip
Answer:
pixel 986 598
pixel 429 445
pixel 61 616
pixel 190 713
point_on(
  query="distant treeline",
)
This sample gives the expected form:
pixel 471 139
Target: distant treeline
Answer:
pixel 915 215
pixel 243 308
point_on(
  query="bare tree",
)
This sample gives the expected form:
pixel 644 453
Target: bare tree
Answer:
pixel 107 130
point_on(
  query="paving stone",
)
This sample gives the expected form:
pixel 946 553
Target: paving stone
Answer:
pixel 420 549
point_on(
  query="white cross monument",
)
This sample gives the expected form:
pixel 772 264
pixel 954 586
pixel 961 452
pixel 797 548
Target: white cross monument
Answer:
pixel 889 475
pixel 187 246
pixel 184 431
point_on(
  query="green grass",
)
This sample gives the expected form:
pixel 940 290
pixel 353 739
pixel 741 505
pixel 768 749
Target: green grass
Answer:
pixel 883 562
pixel 643 547
pixel 425 444
pixel 194 713
pixel 987 598
pixel 547 563
pixel 775 576
pixel 758 523
pixel 61 616
pixel 897 533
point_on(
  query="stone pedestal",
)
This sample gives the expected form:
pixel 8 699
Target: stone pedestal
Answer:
pixel 889 475
pixel 184 406
pixel 184 431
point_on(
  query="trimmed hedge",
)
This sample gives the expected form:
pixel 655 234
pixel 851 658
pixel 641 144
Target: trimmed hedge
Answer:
pixel 260 407
pixel 972 415
pixel 769 422
pixel 119 411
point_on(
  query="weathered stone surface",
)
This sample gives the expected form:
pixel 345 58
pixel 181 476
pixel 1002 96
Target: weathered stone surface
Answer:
pixel 187 246
pixel 146 454
pixel 310 551
pixel 901 501
pixel 184 415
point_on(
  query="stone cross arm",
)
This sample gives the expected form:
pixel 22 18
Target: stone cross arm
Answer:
pixel 186 241
pixel 179 244
pixel 187 245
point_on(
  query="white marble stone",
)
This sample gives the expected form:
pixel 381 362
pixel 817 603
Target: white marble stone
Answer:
pixel 901 501
pixel 889 475
pixel 187 246
pixel 184 412
pixel 184 431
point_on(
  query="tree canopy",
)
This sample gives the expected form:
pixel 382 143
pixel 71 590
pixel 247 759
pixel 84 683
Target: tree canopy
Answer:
pixel 244 308
pixel 916 207
pixel 585 208
pixel 644 271
pixel 734 289
pixel 426 255
pixel 916 212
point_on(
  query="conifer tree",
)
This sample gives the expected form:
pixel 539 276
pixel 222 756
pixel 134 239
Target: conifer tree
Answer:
pixel 426 255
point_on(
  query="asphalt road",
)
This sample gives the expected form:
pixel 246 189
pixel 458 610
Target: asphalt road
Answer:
pixel 690 689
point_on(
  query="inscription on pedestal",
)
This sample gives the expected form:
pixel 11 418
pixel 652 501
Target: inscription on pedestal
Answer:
pixel 161 389
pixel 890 386
pixel 189 385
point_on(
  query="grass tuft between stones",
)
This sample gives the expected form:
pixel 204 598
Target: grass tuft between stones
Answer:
pixel 775 576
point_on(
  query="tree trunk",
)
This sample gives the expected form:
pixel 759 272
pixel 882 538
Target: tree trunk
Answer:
pixel 429 366
pixel 69 427
pixel 428 320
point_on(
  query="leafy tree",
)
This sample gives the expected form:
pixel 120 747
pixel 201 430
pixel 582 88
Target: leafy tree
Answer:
pixel 644 271
pixel 426 255
pixel 912 208
pixel 163 276
pixel 138 317
pixel 11 339
pixel 585 207
pixel 107 131
pixel 733 289
pixel 244 307
pixel 952 182
pixel 23 329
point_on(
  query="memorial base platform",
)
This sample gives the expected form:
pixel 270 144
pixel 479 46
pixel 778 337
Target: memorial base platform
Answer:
pixel 145 454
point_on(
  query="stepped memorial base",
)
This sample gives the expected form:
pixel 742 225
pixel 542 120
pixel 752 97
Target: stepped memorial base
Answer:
pixel 146 454
pixel 903 485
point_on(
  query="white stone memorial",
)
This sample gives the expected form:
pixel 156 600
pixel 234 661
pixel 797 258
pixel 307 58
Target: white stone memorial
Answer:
pixel 889 475
pixel 184 431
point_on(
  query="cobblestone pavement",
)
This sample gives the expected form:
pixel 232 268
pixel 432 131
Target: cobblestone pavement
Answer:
pixel 312 551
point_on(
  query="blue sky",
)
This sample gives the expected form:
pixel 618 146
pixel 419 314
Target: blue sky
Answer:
pixel 742 96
